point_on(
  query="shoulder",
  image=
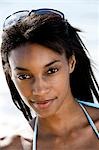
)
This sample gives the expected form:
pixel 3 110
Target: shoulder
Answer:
pixel 93 111
pixel 94 114
pixel 16 138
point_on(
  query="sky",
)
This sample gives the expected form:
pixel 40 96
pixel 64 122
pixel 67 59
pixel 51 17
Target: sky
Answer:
pixel 83 14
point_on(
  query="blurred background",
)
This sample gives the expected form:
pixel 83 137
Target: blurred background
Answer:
pixel 83 14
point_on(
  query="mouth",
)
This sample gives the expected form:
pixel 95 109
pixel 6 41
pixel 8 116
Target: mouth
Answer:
pixel 43 104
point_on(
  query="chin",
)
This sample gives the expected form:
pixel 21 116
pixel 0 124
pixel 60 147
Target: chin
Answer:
pixel 45 115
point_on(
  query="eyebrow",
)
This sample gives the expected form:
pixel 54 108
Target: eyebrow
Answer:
pixel 51 63
pixel 47 65
pixel 20 68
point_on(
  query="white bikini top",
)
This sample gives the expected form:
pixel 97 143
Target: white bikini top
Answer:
pixel 86 113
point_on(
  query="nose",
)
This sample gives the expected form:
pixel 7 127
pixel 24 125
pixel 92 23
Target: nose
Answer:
pixel 40 87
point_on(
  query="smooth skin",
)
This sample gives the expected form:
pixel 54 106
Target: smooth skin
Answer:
pixel 42 78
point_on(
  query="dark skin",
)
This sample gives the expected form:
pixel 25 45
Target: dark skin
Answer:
pixel 62 123
pixel 83 138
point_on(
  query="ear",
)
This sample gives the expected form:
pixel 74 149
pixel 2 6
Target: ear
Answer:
pixel 72 62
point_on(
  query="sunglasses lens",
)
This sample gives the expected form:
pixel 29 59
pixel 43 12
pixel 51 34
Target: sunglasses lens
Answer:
pixel 12 19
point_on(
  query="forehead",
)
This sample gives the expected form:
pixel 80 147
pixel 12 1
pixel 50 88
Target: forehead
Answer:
pixel 34 53
pixel 34 49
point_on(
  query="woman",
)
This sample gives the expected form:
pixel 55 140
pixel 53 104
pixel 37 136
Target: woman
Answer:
pixel 48 71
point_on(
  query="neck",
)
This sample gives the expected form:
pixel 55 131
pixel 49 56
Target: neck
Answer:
pixel 63 122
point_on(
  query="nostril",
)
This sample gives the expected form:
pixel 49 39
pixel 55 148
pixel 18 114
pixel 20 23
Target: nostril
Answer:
pixel 39 92
pixel 40 86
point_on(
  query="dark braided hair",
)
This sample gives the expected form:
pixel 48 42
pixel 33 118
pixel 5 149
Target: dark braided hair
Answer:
pixel 56 33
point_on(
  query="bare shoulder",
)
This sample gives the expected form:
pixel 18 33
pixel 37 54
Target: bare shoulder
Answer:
pixel 12 138
pixel 94 113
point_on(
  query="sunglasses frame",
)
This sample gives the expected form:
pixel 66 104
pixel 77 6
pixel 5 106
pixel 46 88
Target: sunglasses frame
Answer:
pixel 41 11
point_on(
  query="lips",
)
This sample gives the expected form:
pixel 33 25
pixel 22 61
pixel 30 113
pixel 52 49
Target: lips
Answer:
pixel 43 104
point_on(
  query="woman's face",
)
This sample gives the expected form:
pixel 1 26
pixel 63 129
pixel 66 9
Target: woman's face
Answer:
pixel 41 77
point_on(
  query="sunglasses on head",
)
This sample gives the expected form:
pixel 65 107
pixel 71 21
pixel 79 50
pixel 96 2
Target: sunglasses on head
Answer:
pixel 17 16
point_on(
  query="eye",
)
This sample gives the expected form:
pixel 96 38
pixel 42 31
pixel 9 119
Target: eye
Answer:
pixel 23 76
pixel 52 70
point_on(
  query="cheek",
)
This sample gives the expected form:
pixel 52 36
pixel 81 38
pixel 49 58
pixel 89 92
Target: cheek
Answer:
pixel 23 88
pixel 61 83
